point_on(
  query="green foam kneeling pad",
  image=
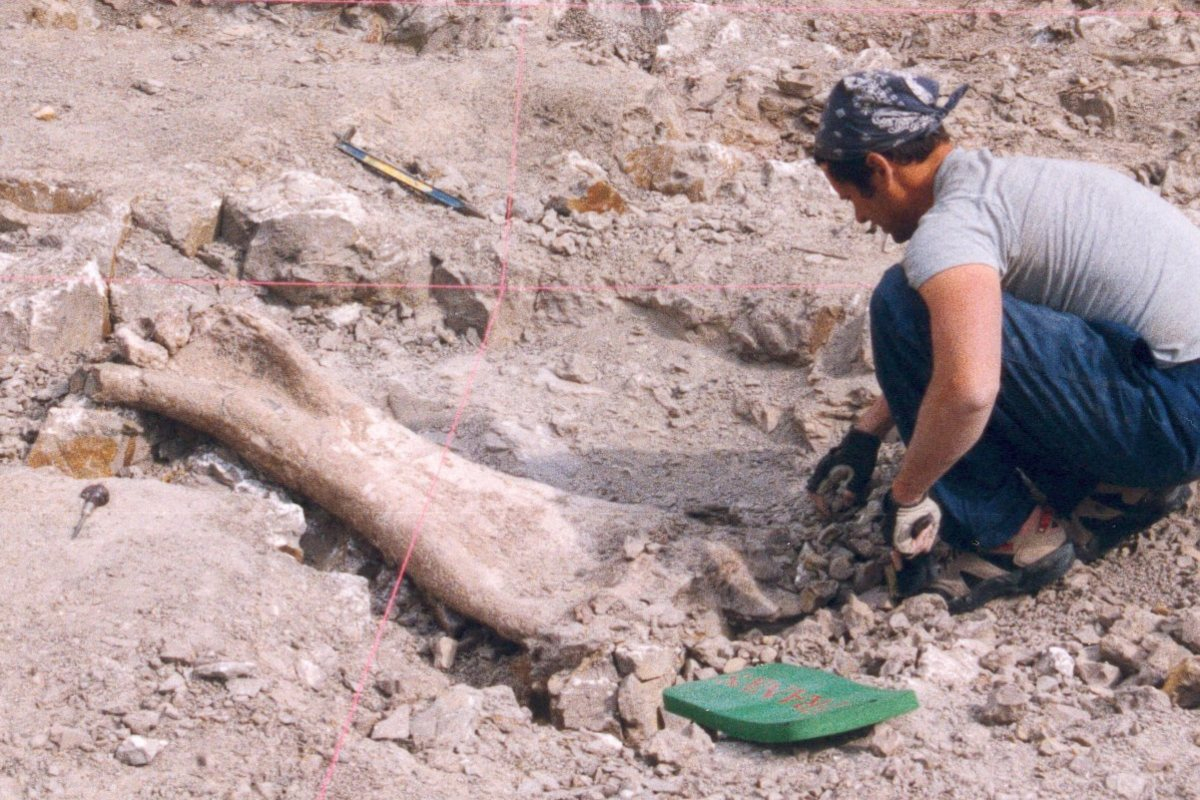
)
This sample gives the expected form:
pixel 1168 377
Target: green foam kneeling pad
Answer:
pixel 784 703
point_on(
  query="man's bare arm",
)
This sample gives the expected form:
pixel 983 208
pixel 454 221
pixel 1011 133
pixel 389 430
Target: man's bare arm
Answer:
pixel 965 315
pixel 876 419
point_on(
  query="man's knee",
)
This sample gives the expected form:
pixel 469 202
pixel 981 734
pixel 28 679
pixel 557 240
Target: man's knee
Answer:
pixel 894 302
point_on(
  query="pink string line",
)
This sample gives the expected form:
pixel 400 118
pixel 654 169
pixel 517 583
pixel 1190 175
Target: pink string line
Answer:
pixel 879 11
pixel 616 288
pixel 518 85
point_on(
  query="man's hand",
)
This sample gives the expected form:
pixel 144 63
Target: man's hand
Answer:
pixel 911 529
pixel 839 481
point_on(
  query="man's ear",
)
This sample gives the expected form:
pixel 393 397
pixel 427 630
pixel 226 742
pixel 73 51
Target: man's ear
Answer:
pixel 882 171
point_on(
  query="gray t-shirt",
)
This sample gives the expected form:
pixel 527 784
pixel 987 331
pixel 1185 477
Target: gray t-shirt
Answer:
pixel 1075 237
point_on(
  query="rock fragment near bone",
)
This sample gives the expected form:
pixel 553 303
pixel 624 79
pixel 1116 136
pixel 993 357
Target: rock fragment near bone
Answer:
pixel 53 299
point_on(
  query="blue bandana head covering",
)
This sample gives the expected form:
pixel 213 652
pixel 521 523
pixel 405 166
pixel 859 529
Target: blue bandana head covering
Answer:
pixel 876 111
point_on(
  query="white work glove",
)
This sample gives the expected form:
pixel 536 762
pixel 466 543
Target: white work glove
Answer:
pixel 913 529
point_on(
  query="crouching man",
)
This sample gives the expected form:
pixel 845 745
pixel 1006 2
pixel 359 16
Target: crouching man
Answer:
pixel 1037 348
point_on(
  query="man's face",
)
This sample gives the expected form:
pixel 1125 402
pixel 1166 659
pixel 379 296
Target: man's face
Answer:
pixel 884 208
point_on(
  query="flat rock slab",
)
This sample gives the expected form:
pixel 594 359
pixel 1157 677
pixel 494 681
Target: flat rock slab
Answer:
pixel 776 703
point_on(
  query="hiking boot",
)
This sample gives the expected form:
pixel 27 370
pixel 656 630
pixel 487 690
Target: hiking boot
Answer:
pixel 917 574
pixel 971 580
pixel 1035 543
pixel 1113 514
pixel 1037 556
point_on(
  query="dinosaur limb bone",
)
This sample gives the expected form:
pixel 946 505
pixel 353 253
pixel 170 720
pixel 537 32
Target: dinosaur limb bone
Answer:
pixel 505 551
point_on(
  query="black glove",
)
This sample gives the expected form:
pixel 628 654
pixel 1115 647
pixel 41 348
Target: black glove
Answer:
pixel 843 474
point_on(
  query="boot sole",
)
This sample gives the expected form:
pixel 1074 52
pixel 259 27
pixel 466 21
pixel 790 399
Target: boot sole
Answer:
pixel 1025 580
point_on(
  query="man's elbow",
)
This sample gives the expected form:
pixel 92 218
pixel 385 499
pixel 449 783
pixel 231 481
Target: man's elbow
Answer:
pixel 971 396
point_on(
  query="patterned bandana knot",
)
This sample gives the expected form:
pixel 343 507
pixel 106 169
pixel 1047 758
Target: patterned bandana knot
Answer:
pixel 873 112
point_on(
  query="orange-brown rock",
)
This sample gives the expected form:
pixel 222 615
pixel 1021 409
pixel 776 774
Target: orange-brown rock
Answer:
pixel 600 197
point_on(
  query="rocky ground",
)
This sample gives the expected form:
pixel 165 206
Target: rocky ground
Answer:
pixel 677 307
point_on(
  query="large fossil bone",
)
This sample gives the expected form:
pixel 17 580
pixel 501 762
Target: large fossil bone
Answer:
pixel 517 555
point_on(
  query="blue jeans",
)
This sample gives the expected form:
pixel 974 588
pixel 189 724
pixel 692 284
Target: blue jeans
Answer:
pixel 1080 403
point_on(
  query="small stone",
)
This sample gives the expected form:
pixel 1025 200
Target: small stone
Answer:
pixel 389 686
pixel 638 703
pixel 924 607
pixel 885 741
pixel 576 369
pixel 841 568
pixel 713 651
pixel 1128 785
pixel 1051 747
pixel 955 668
pixel 564 245
pixel 1189 630
pixel 310 674
pixel 1046 684
pixel 172 330
pixel 585 698
pixel 1003 657
pixel 733 665
pixel 737 591
pixel 1164 655
pixel 666 254
pixel 527 208
pixel 173 683
pixel 138 751
pixel 224 670
pixel 1097 673
pixel 139 352
pixel 150 87
pixel 149 22
pixel 1005 705
pixel 674 748
pixel 1142 698
pixel 1125 654
pixel 450 720
pixel 245 688
pixel 141 722
pixel 858 617
pixel 60 14
pixel 1183 683
pixel 1057 662
pixel 795 83
pixel 817 595
pixel 444 651
pixel 633 547
pixel 45 114
pixel 70 738
pixel 1083 738
pixel 176 651
pixel 646 661
pixel 1135 623
pixel 394 727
